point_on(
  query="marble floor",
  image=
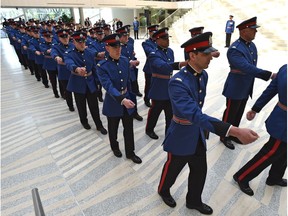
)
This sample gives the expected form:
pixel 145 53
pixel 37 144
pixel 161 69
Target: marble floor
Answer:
pixel 44 146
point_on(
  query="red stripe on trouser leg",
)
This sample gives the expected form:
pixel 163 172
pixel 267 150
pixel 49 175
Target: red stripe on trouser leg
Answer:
pixel 227 110
pixel 165 170
pixel 261 160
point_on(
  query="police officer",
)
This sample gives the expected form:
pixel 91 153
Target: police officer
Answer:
pixel 114 75
pixel 274 152
pixel 127 50
pixel 49 63
pixel 34 46
pixel 80 61
pixel 229 29
pixel 97 47
pixel 57 53
pixel 162 65
pixel 185 139
pixel 149 46
pixel 242 56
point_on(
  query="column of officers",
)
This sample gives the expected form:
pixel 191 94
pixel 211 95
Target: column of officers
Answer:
pixel 86 64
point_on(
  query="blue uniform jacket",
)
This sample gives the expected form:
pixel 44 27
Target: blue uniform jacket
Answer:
pixel 149 46
pixel 49 63
pixel 187 91
pixel 127 50
pixel 59 50
pixel 242 57
pixel 34 46
pixel 161 66
pixel 115 78
pixel 24 42
pixel 76 83
pixel 276 123
pixel 229 28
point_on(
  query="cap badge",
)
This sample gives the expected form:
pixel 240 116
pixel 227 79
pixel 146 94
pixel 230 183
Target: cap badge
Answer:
pixel 81 35
pixel 210 41
pixel 117 38
pixel 64 32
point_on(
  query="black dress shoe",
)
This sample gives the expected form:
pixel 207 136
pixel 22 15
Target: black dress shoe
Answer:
pixel 152 135
pixel 72 110
pixel 139 94
pixel 204 209
pixel 32 73
pixel 282 183
pixel 244 187
pixel 135 159
pixel 168 200
pixel 117 153
pixel 227 143
pixel 46 86
pixel 100 99
pixel 86 126
pixel 102 130
pixel 137 117
pixel 38 79
pixel 147 103
pixel 57 96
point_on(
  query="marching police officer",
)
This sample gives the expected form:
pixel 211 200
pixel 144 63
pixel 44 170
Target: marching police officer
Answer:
pixel 57 53
pixel 242 56
pixel 49 63
pixel 162 65
pixel 185 139
pixel 80 61
pixel 149 46
pixel 114 75
pixel 274 152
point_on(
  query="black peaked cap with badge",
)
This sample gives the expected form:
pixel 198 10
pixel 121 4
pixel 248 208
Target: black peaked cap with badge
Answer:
pixel 63 33
pixel 122 31
pixel 200 43
pixel 161 33
pixel 79 36
pixel 250 23
pixel 112 40
pixel 196 31
pixel 153 28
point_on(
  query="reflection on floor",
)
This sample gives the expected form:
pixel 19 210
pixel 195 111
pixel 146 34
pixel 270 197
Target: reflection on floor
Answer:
pixel 44 146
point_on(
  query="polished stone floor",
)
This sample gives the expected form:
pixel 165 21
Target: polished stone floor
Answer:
pixel 44 146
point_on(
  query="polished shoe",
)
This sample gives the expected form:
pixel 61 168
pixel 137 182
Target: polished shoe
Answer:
pixel 117 153
pixel 244 187
pixel 86 126
pixel 282 183
pixel 57 96
pixel 139 94
pixel 72 110
pixel 147 103
pixel 135 159
pixel 38 79
pixel 137 117
pixel 102 130
pixel 168 200
pixel 235 139
pixel 227 143
pixel 46 86
pixel 100 99
pixel 204 209
pixel 152 135
pixel 32 73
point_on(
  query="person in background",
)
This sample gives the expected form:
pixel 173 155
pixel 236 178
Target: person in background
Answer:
pixel 274 152
pixel 81 62
pixel 229 29
pixel 185 140
pixel 136 25
pixel 114 75
pixel 242 56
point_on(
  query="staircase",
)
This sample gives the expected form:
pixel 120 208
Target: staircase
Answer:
pixel 213 14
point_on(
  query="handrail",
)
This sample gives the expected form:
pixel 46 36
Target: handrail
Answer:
pixel 37 203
